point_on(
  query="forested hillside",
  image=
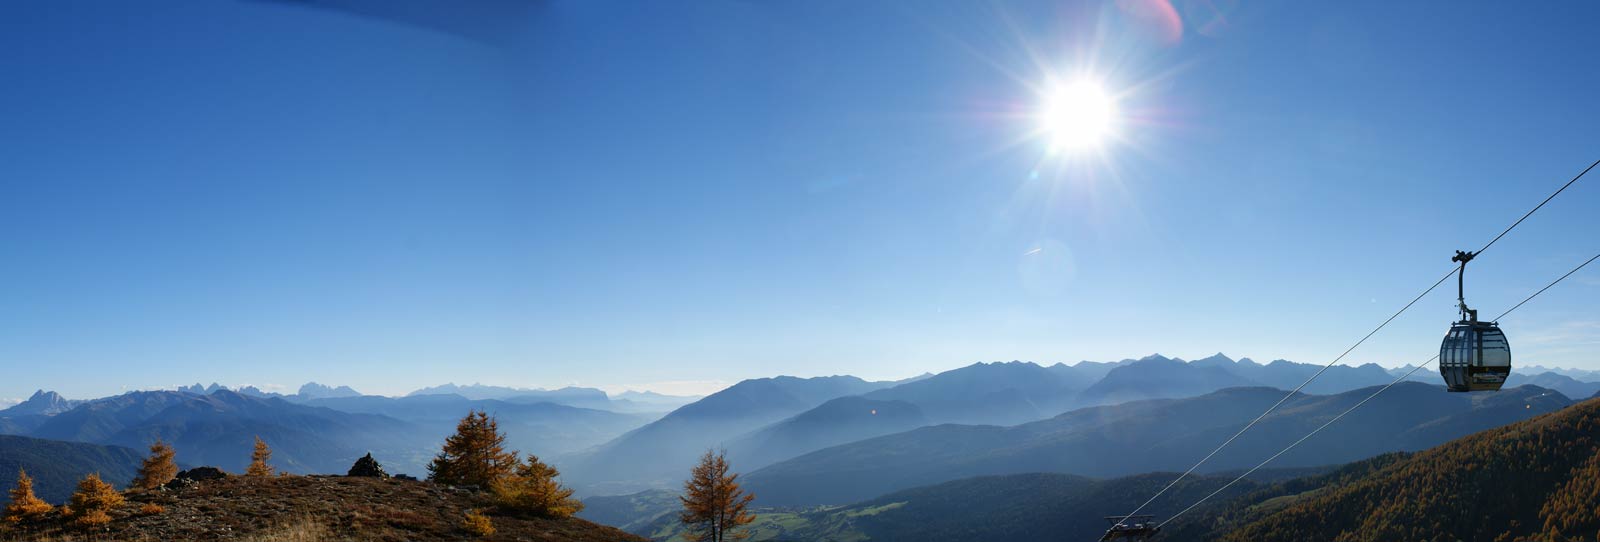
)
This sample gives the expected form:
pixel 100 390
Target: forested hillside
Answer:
pixel 1534 480
pixel 57 466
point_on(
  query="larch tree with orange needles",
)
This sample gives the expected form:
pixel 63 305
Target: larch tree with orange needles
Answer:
pixel 158 469
pixel 24 506
pixel 532 489
pixel 475 455
pixel 258 460
pixel 714 507
pixel 93 502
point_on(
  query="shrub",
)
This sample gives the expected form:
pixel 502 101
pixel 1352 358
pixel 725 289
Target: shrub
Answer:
pixel 477 523
pixel 158 469
pixel 258 460
pixel 92 502
pixel 24 505
pixel 151 509
pixel 532 489
pixel 475 455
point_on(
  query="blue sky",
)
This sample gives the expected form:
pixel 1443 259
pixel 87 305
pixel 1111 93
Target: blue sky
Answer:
pixel 673 195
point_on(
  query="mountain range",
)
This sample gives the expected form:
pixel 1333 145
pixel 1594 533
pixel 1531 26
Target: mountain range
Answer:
pixel 1000 394
pixel 571 396
pixel 657 454
pixel 621 446
pixel 1568 386
pixel 542 428
pixel 1533 480
pixel 220 428
pixel 1145 436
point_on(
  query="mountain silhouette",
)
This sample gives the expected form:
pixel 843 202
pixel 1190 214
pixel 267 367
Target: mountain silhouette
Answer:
pixel 660 453
pixel 313 390
pixel 990 393
pixel 220 428
pixel 1144 436
pixel 41 403
pixel 1155 377
pixel 838 421
pixel 1568 386
pixel 544 429
pixel 570 396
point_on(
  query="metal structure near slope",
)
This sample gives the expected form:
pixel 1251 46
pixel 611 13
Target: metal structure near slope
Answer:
pixel 1140 527
pixel 1474 355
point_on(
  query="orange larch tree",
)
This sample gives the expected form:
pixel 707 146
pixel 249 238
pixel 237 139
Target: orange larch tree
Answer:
pixel 532 489
pixel 24 506
pixel 93 502
pixel 157 469
pixel 475 455
pixel 258 460
pixel 714 507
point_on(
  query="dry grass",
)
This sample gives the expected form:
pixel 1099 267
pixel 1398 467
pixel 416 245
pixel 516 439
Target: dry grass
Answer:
pixel 310 509
pixel 477 523
pixel 303 530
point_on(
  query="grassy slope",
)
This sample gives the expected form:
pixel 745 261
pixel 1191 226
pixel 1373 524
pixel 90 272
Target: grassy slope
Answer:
pixel 366 509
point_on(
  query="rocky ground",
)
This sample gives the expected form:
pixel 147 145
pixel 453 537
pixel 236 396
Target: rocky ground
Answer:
pixel 314 509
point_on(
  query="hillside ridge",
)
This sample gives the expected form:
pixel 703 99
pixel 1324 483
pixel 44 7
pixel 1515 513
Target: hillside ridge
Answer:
pixel 316 507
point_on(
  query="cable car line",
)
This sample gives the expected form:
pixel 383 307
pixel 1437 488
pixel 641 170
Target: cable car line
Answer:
pixel 1369 335
pixel 1536 207
pixel 1364 401
pixel 1547 286
pixel 1292 392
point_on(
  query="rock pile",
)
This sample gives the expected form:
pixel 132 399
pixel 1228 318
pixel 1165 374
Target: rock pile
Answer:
pixel 367 467
pixel 194 476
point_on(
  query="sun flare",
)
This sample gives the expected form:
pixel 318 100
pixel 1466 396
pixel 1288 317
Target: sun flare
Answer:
pixel 1078 115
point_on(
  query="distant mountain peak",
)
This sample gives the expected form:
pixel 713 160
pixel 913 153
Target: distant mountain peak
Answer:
pixel 199 389
pixel 1218 359
pixel 313 390
pixel 570 395
pixel 253 391
pixel 47 403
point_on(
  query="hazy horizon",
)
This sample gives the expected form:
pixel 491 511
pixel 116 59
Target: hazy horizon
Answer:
pixel 677 388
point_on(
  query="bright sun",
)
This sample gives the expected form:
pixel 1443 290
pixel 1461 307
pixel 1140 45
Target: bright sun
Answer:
pixel 1078 115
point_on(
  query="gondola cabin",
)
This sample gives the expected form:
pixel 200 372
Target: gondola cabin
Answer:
pixel 1474 357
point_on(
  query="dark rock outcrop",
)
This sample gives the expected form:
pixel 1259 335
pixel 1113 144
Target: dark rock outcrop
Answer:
pixel 367 467
pixel 194 476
